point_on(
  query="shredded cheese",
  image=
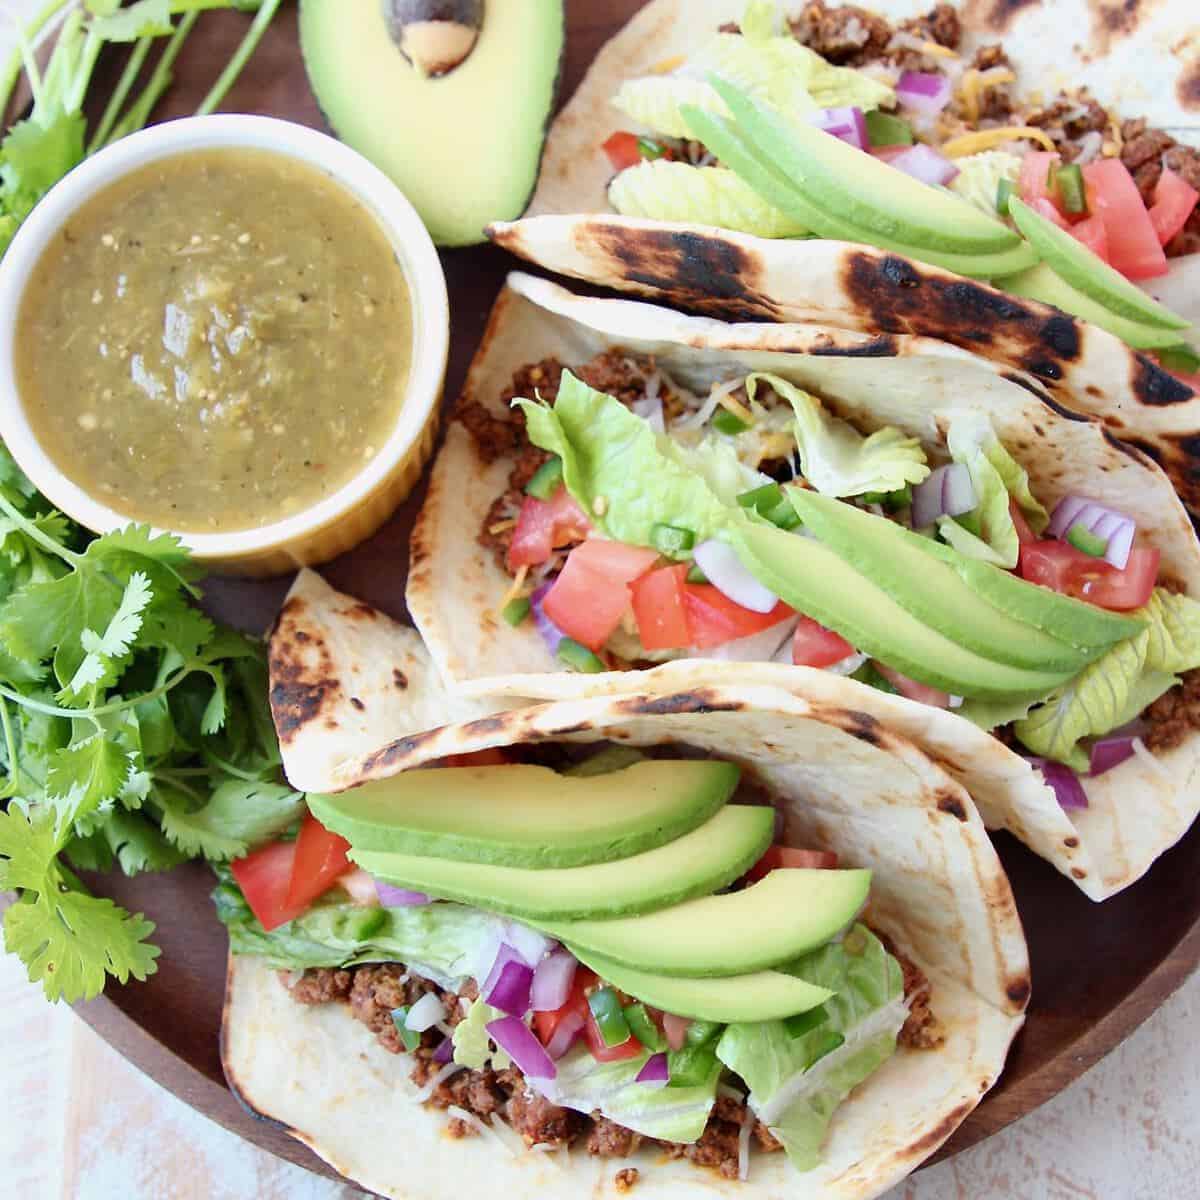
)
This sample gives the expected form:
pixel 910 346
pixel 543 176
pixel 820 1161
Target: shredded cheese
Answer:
pixel 727 402
pixel 501 526
pixel 1114 130
pixel 937 50
pixel 517 585
pixel 666 65
pixel 989 139
pixel 451 1068
pixel 481 1127
pixel 975 83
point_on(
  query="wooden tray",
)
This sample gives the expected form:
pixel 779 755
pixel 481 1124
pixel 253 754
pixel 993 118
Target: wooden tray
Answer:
pixel 1098 971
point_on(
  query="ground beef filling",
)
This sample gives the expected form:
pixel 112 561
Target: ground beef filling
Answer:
pixel 1175 716
pixel 372 992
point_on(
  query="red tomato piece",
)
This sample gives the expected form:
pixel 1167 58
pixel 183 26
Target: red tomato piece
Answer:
pixel 778 857
pixel 546 1023
pixel 815 646
pixel 1174 199
pixel 715 619
pixel 320 860
pixel 914 690
pixel 1133 245
pixel 674 1029
pixel 1034 181
pixel 658 608
pixel 1091 232
pixel 622 150
pixel 1061 567
pixel 603 1053
pixel 1024 533
pixel 265 877
pixel 544 524
pixel 591 593
pixel 1048 209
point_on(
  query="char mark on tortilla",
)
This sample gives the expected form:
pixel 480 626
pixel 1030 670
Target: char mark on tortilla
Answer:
pixel 878 347
pixel 950 803
pixel 701 700
pixel 1152 385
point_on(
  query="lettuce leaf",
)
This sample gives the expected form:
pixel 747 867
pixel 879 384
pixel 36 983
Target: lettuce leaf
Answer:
pixel 472 1046
pixel 979 175
pixel 677 191
pixel 1120 685
pixel 797 1082
pixel 835 458
pixel 674 1114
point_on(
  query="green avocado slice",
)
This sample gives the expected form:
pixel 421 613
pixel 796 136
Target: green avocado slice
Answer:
pixel 528 816
pixel 1043 283
pixel 1080 268
pixel 743 157
pixel 1035 626
pixel 757 996
pixel 817 582
pixel 781 917
pixel 696 864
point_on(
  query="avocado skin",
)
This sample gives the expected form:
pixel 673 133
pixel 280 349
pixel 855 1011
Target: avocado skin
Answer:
pixel 754 996
pixel 701 862
pixel 783 916
pixel 460 157
pixel 529 816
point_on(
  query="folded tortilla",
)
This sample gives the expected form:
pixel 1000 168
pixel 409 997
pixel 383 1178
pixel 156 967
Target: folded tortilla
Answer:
pixel 1136 811
pixel 842 781
pixel 570 227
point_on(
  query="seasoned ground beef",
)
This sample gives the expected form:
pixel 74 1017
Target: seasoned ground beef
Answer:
pixel 922 1030
pixel 1173 716
pixel 541 1123
pixel 320 986
pixel 940 25
pixel 607 1139
pixel 845 34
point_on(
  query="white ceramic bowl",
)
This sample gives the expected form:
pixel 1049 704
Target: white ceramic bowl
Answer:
pixel 358 508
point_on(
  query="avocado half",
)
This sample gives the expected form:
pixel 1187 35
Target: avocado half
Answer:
pixel 464 144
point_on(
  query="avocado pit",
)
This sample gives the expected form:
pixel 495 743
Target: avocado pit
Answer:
pixel 435 36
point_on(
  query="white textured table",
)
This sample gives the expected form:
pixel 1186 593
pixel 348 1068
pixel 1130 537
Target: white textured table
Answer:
pixel 77 1122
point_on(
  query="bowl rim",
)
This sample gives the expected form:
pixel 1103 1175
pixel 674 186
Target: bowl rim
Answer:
pixel 381 198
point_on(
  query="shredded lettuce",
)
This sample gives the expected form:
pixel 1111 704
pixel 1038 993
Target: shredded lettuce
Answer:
pixel 472 1046
pixel 1116 688
pixel 835 458
pixel 979 175
pixel 797 1082
pixel 677 191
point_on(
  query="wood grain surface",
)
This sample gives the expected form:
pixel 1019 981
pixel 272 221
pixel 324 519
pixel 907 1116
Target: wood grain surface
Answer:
pixel 1098 971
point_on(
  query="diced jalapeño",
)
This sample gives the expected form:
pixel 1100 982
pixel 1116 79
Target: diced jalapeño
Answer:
pixel 642 1026
pixel 609 1016
pixel 410 1037
pixel 725 422
pixel 546 479
pixel 1087 541
pixel 672 540
pixel 579 658
pixel 884 129
pixel 516 610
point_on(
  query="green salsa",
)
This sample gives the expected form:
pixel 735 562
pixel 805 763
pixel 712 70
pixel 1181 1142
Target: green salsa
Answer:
pixel 217 341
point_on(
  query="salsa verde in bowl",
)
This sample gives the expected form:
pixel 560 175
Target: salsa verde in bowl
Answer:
pixel 231 327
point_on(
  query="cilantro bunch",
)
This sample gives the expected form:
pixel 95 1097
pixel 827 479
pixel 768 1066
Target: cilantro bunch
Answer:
pixel 133 733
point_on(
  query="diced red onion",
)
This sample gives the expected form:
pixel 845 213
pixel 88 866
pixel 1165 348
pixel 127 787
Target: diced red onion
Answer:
pixel 398 897
pixel 516 1039
pixel 1068 791
pixel 565 1034
pixel 724 570
pixel 847 123
pixel 946 492
pixel 507 985
pixel 445 1052
pixel 551 634
pixel 528 943
pixel 425 1013
pixel 1115 527
pixel 924 91
pixel 1109 752
pixel 361 887
pixel 552 979
pixel 926 164
pixel 675 1030
pixel 655 1070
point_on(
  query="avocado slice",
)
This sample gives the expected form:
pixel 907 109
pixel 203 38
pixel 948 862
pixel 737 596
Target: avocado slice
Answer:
pixel 863 190
pixel 463 145
pixel 817 582
pixel 785 914
pixel 1080 268
pixel 762 174
pixel 1043 283
pixel 696 864
pixel 1033 630
pixel 757 996
pixel 526 816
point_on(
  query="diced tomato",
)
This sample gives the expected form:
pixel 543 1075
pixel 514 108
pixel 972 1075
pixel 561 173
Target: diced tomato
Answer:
pixel 1061 567
pixel 815 646
pixel 1024 533
pixel 265 877
pixel 603 1053
pixel 546 1023
pixel 591 593
pixel 493 757
pixel 320 860
pixel 1048 209
pixel 1133 245
pixel 714 619
pixel 1174 199
pixel 1034 182
pixel 914 690
pixel 658 608
pixel 777 857
pixel 622 150
pixel 544 524
pixel 1091 232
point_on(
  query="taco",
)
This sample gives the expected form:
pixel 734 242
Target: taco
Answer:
pixel 564 542
pixel 819 1023
pixel 855 168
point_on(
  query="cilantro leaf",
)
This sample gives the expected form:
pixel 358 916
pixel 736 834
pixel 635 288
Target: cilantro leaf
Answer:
pixel 239 815
pixel 87 774
pixel 107 651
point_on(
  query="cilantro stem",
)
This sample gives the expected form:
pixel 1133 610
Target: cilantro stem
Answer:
pixel 137 59
pixel 230 769
pixel 139 112
pixel 16 60
pixel 37 535
pixel 10 746
pixel 78 714
pixel 233 68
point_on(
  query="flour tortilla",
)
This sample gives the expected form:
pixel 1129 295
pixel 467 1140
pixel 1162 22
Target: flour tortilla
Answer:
pixel 843 782
pixel 1137 810
pixel 1137 60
